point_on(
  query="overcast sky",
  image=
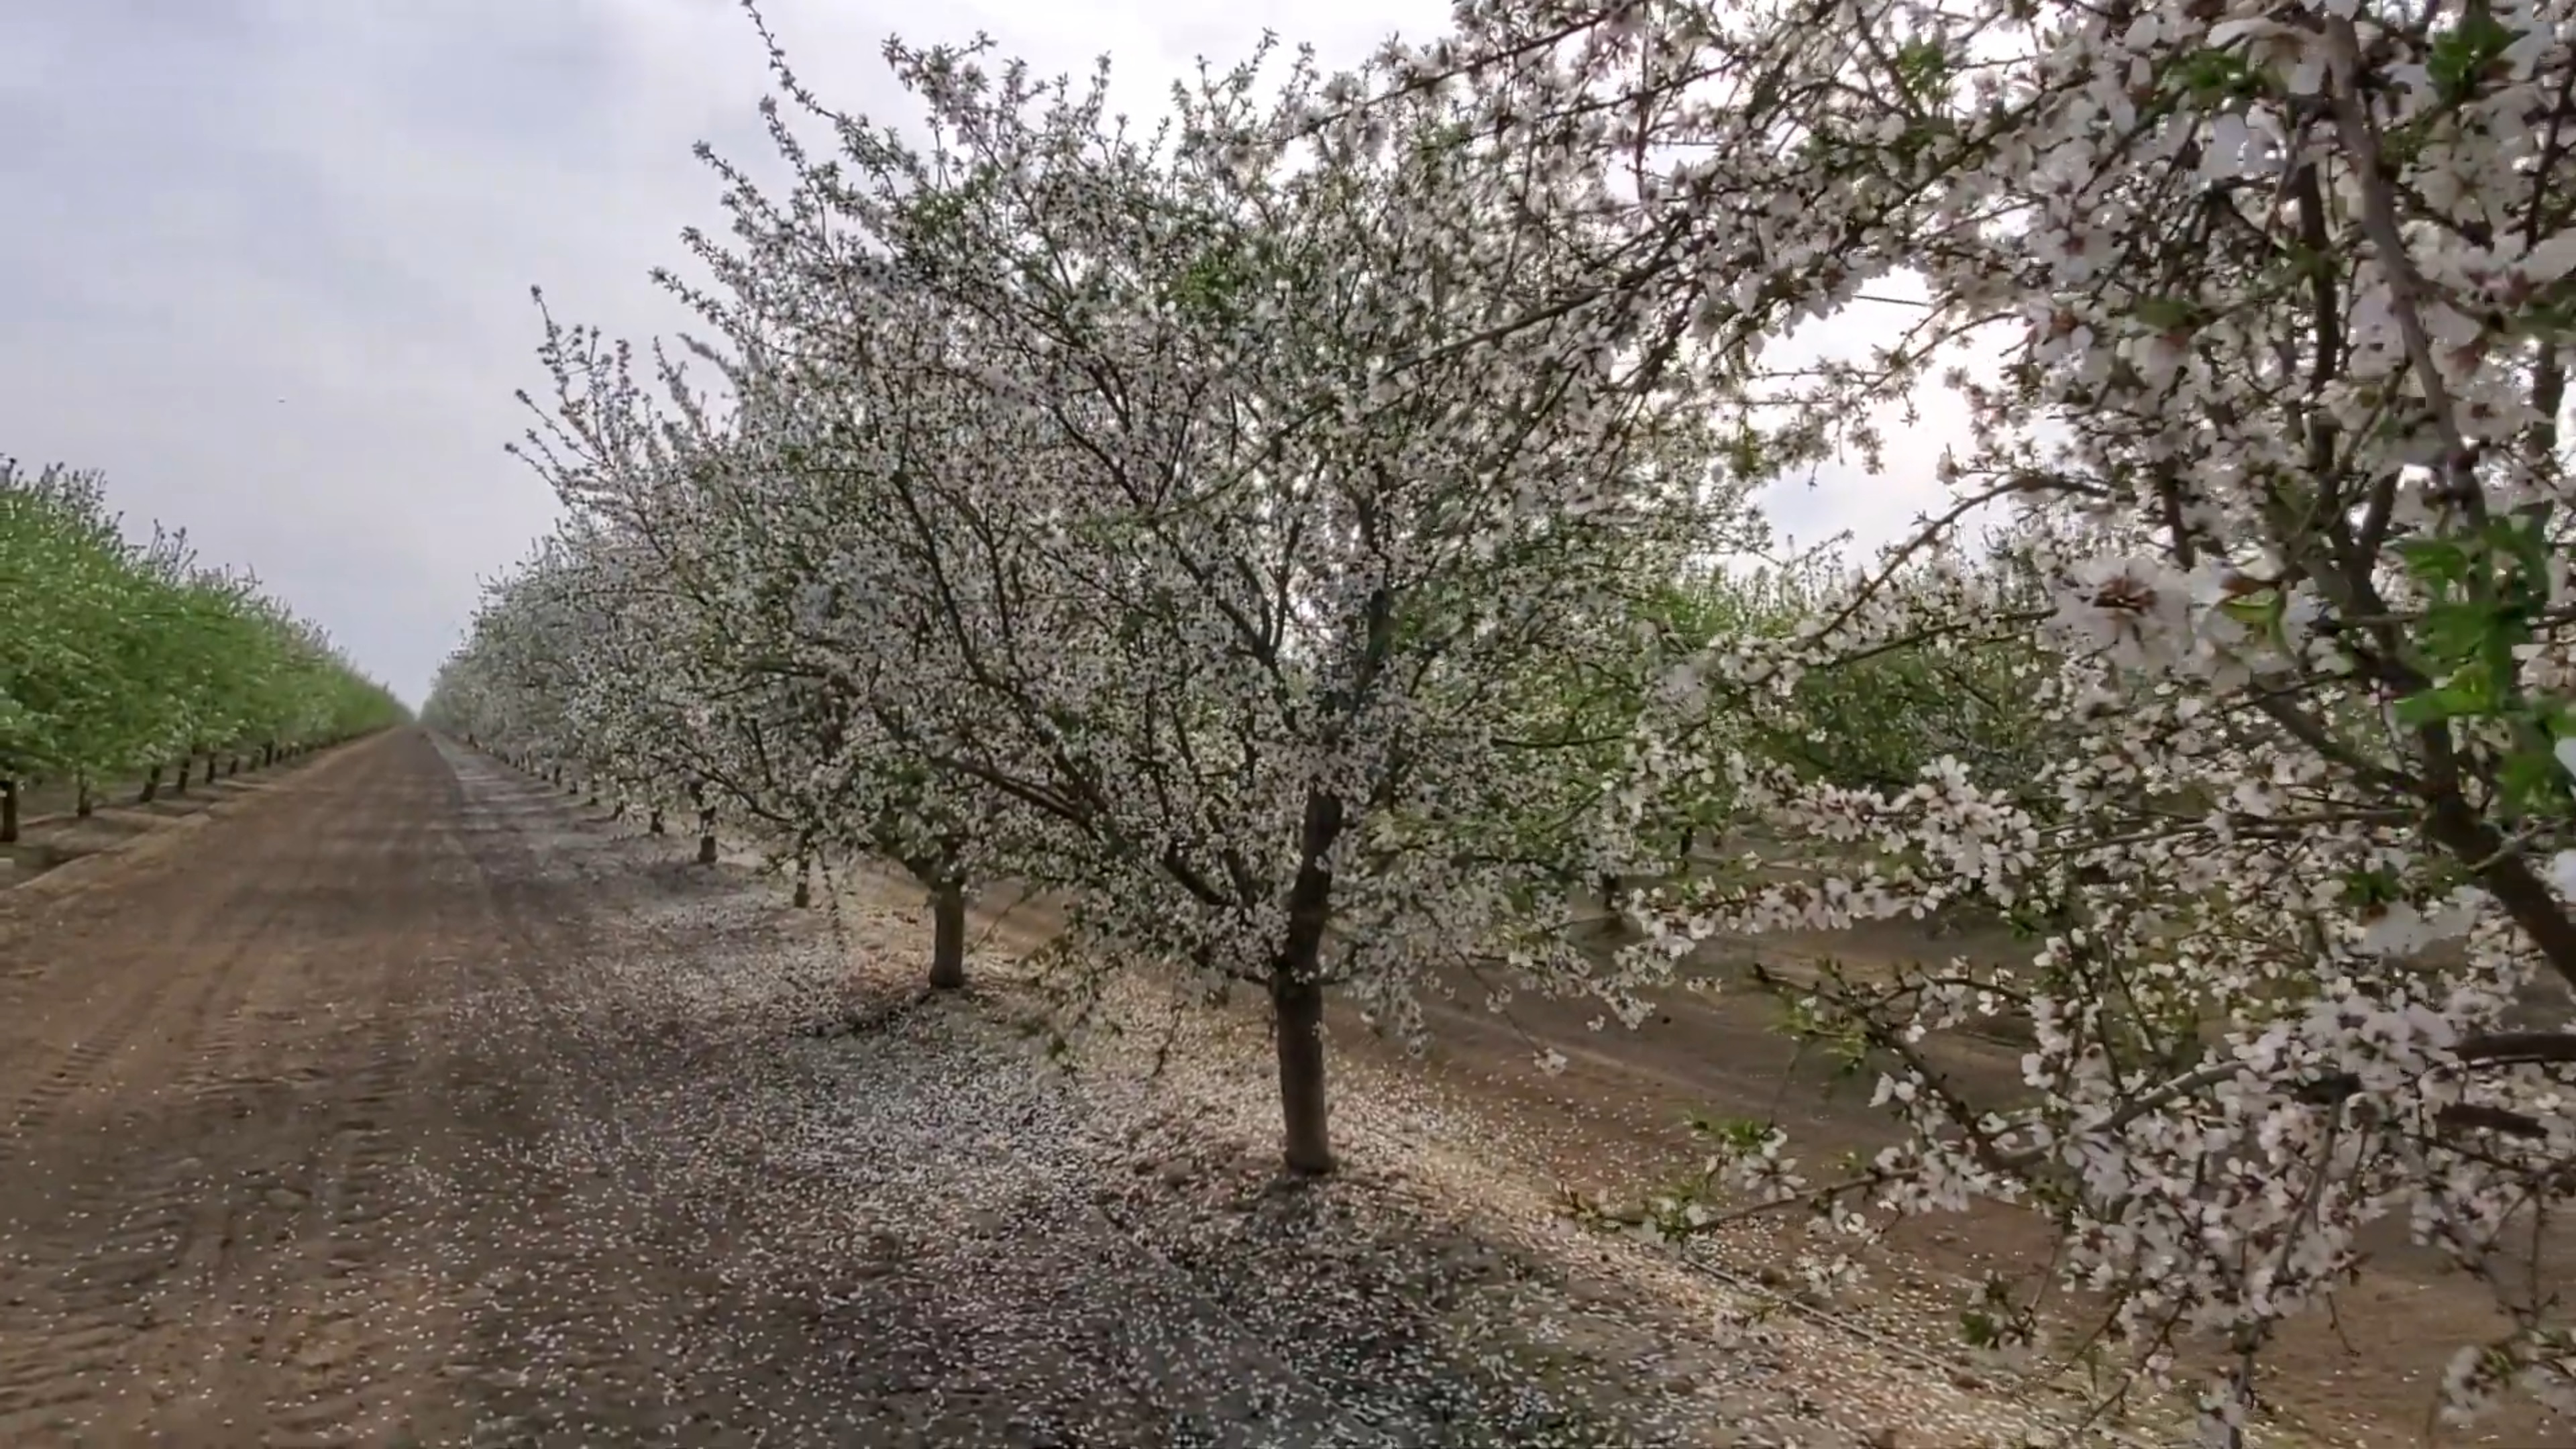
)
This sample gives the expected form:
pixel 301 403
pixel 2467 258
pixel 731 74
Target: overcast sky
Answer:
pixel 266 262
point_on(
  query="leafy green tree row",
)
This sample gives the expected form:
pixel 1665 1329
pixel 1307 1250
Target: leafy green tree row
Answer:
pixel 121 659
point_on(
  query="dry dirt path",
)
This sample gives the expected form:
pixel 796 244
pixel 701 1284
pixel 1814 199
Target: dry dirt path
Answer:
pixel 269 1174
pixel 388 1104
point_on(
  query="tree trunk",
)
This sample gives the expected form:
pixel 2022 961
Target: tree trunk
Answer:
pixel 804 870
pixel 1614 921
pixel 948 935
pixel 185 763
pixel 83 804
pixel 8 812
pixel 706 837
pixel 653 825
pixel 151 787
pixel 1297 1010
pixel 1297 995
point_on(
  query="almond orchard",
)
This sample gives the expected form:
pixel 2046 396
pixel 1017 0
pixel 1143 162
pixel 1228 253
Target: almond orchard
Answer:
pixel 1316 538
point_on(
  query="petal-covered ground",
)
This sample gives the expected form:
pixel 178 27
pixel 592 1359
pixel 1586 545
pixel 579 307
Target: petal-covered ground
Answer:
pixel 401 1105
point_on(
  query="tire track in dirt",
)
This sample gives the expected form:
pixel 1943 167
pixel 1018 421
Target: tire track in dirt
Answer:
pixel 627 1298
pixel 538 1274
pixel 102 1285
pixel 126 1257
pixel 341 1334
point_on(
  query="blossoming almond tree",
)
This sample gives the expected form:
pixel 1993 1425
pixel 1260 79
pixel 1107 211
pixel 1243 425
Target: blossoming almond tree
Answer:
pixel 2281 294
pixel 1228 521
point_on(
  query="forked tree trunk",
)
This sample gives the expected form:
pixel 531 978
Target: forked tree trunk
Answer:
pixel 948 935
pixel 151 787
pixel 8 812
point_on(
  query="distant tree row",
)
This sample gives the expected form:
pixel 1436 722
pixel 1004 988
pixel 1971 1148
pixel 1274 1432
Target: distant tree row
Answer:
pixel 121 660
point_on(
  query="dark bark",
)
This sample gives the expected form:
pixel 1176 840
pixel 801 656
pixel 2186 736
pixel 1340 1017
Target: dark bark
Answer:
pixel 8 812
pixel 804 870
pixel 1297 996
pixel 1297 1011
pixel 948 935
pixel 186 762
pixel 706 837
pixel 653 826
pixel 83 803
pixel 151 787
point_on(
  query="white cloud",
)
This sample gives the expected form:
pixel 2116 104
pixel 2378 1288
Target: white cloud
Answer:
pixel 266 261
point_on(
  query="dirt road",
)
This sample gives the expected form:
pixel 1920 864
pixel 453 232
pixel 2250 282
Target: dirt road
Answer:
pixel 389 1105
pixel 241 1087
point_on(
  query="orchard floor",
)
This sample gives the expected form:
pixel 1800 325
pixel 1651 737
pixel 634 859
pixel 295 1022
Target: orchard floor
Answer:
pixel 390 1102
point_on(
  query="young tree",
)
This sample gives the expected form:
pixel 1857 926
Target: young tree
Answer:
pixel 120 657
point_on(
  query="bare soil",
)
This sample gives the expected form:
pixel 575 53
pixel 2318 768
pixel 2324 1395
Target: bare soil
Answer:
pixel 276 1169
pixel 391 1102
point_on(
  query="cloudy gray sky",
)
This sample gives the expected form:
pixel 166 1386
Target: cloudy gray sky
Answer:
pixel 265 262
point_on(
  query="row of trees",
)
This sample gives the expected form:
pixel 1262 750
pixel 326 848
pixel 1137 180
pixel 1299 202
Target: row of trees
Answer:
pixel 120 659
pixel 1286 535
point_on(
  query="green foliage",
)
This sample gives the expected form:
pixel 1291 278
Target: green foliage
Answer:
pixel 117 657
pixel 2486 591
pixel 1876 720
